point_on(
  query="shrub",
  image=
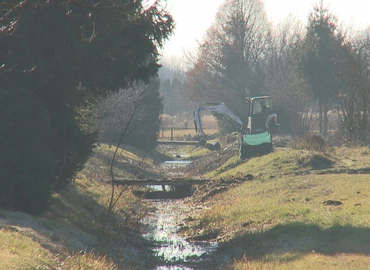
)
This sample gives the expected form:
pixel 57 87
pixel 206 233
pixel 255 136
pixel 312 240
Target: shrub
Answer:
pixel 310 142
pixel 144 104
pixel 316 162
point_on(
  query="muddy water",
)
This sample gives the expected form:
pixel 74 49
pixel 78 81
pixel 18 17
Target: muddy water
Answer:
pixel 172 250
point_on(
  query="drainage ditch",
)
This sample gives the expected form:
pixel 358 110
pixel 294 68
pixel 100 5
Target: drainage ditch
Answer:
pixel 162 226
pixel 172 250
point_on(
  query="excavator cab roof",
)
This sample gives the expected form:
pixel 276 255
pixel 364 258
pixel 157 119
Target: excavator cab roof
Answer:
pixel 260 97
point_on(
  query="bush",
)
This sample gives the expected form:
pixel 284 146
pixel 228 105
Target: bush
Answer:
pixel 147 121
pixel 310 142
pixel 144 104
pixel 316 162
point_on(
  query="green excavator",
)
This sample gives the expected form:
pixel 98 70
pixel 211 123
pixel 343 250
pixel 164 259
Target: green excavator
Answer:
pixel 255 135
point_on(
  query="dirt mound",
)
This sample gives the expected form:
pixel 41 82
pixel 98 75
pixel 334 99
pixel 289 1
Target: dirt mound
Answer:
pixel 316 162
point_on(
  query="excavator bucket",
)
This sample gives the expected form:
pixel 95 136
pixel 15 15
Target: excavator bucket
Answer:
pixel 252 145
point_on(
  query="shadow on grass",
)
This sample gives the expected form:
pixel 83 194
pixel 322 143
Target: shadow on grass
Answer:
pixel 72 225
pixel 119 242
pixel 124 165
pixel 137 170
pixel 299 239
pixel 73 222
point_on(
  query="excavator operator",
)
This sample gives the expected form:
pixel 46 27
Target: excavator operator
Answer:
pixel 264 108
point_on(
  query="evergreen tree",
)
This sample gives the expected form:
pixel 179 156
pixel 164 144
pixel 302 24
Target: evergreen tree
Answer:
pixel 57 58
pixel 322 49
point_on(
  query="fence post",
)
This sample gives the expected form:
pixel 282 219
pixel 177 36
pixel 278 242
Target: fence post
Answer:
pixel 171 134
pixel 162 132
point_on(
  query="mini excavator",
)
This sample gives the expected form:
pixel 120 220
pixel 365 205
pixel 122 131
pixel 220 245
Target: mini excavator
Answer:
pixel 255 135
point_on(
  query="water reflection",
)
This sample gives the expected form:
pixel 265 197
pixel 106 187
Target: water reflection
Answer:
pixel 176 163
pixel 170 248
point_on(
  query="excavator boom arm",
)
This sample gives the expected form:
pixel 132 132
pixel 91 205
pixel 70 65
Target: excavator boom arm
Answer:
pixel 219 108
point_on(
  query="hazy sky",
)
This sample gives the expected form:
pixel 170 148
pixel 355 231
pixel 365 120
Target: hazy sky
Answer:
pixel 193 17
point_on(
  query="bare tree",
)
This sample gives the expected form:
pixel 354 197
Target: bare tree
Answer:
pixel 128 124
pixel 355 94
pixel 285 82
pixel 228 65
pixel 114 113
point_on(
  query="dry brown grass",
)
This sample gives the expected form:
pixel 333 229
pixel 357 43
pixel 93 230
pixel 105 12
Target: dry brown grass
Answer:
pixel 15 245
pixel 168 121
pixel 178 133
pixel 39 248
pixel 182 127
pixel 86 260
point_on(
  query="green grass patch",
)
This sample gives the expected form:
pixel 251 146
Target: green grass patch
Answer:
pixel 196 152
pixel 297 260
pixel 280 162
pixel 353 158
pixel 299 212
pixel 294 198
pixel 280 223
pixel 149 156
pixel 228 165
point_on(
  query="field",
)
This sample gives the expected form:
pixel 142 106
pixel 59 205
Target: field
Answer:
pixel 182 127
pixel 182 133
pixel 291 209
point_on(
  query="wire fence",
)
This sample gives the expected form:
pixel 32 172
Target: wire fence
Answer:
pixel 171 133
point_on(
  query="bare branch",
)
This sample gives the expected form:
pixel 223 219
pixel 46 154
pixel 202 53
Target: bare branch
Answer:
pixel 113 200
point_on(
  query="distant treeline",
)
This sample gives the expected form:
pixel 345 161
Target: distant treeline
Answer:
pixel 309 70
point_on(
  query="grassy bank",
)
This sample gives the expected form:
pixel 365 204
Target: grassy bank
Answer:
pixel 291 209
pixel 69 235
pixel 301 210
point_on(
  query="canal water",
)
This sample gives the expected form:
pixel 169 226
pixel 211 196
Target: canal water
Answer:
pixel 171 249
pixel 162 226
pixel 176 163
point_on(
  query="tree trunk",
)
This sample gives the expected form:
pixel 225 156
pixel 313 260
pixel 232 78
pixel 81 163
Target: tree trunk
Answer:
pixel 325 119
pixel 364 126
pixel 320 117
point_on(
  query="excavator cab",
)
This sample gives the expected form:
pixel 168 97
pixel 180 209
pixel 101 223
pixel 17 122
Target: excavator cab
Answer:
pixel 261 117
pixel 261 123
